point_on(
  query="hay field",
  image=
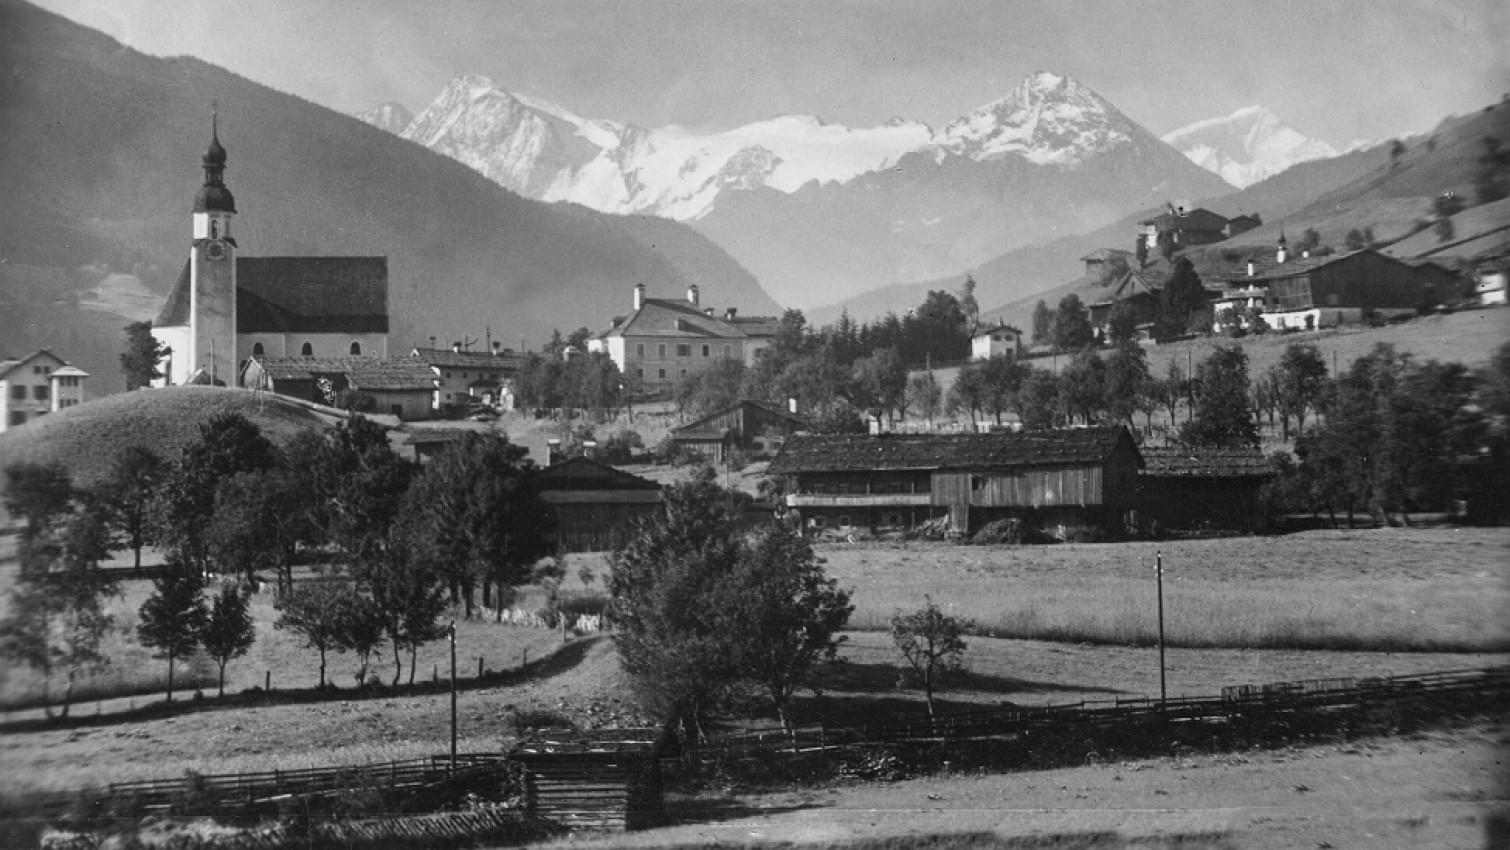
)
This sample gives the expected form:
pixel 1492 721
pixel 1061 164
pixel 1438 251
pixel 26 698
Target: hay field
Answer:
pixel 1386 589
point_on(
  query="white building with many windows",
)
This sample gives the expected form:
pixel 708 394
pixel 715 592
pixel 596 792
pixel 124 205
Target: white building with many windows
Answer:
pixel 664 340
pixel 36 385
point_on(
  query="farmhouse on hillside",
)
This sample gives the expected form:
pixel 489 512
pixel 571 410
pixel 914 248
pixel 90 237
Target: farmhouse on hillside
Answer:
pixel 1182 229
pixel 1066 482
pixel 1201 489
pixel 664 340
pixel 746 426
pixel 593 502
pixel 1309 292
pixel 37 384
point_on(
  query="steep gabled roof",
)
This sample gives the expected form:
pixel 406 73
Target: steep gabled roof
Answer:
pixel 1205 463
pixel 1196 219
pixel 8 366
pixel 297 295
pixel 668 318
pixel 999 326
pixel 852 452
pixel 364 373
pixel 701 426
pixel 504 361
pixel 584 473
pixel 312 294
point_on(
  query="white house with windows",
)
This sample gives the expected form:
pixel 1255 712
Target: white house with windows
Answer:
pixel 36 385
pixel 664 340
pixel 996 341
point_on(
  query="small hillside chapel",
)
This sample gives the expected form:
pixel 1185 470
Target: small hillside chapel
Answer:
pixel 225 309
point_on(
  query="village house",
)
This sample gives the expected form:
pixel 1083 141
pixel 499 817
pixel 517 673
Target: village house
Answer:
pixel 664 340
pixel 1309 292
pixel 35 385
pixel 224 308
pixel 1064 482
pixel 400 386
pixel 593 502
pixel 464 378
pixel 1182 229
pixel 1201 489
pixel 747 426
pixel 1000 340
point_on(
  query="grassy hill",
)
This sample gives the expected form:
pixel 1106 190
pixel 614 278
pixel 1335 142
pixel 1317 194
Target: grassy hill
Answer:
pixel 86 438
pixel 100 162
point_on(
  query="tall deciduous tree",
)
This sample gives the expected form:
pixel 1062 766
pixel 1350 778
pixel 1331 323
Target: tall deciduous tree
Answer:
pixel 787 612
pixel 173 618
pixel 474 515
pixel 678 650
pixel 316 611
pixel 228 630
pixel 924 395
pixel 1223 416
pixel 1300 378
pixel 228 444
pixel 1043 324
pixel 128 493
pixel 1182 302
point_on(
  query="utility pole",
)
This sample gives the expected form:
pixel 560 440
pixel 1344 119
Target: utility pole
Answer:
pixel 1159 574
pixel 453 696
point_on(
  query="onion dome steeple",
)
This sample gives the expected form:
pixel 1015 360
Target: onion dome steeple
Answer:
pixel 213 195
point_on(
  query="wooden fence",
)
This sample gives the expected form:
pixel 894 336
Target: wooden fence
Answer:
pixel 1234 703
pixel 597 787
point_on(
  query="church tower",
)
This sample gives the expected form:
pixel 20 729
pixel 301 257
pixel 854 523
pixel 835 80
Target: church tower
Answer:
pixel 212 274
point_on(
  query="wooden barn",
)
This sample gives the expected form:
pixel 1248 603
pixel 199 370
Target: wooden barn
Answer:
pixel 1183 489
pixel 609 779
pixel 593 501
pixel 1063 482
pixel 748 426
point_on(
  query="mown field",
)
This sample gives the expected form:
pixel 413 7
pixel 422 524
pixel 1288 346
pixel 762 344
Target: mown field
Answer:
pixel 1382 589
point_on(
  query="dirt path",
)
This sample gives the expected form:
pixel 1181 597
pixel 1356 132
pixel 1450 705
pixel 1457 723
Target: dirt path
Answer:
pixel 1436 790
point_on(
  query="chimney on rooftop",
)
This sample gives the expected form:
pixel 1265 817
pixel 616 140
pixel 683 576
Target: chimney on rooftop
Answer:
pixel 729 314
pixel 639 295
pixel 692 295
pixel 1250 268
pixel 496 346
pixel 708 311
pixel 456 348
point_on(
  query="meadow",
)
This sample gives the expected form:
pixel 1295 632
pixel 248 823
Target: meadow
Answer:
pixel 1428 589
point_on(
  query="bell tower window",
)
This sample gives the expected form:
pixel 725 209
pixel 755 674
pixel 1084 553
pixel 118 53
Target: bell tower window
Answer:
pixel 256 348
pixel 214 229
pixel 356 348
pixel 307 350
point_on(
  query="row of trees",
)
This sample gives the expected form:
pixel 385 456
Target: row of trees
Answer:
pixel 404 541
pixel 1396 435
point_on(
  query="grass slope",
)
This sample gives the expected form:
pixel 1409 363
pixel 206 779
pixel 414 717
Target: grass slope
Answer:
pixel 86 438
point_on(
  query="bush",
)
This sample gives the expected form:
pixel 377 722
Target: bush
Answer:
pixel 622 446
pixel 576 605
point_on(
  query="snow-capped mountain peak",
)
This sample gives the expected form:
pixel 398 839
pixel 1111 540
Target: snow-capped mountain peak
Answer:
pixel 1048 119
pixel 1247 146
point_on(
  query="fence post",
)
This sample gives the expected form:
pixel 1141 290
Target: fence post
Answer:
pixel 479 666
pixel 267 680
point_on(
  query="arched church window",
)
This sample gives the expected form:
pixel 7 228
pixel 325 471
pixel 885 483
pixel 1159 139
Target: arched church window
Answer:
pixel 256 348
pixel 356 348
pixel 214 229
pixel 307 350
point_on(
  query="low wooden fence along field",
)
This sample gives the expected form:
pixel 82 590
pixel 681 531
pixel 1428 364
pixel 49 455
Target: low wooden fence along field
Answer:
pixel 611 778
pixel 1234 704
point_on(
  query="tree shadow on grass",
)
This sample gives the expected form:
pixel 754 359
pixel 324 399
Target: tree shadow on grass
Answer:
pixel 869 693
pixel 724 808
pixel 560 661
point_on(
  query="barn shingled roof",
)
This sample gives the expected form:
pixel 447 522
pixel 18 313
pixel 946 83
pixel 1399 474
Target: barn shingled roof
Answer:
pixel 1205 463
pixel 843 452
pixel 364 373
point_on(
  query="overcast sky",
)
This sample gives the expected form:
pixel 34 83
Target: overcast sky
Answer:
pixel 1337 70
